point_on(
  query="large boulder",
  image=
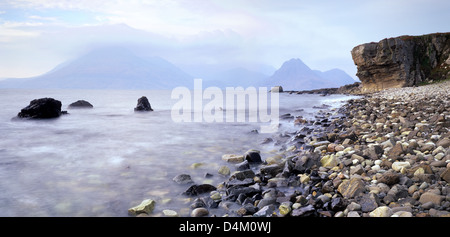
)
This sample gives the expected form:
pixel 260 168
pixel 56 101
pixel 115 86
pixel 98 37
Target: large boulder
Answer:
pixel 41 109
pixel 143 105
pixel 80 104
pixel 402 61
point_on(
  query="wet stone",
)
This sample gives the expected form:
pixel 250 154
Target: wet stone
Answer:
pixel 303 211
pixel 247 209
pixel 195 190
pixel 199 212
pixel 253 156
pixel 241 175
pixel 146 207
pixel 242 166
pixel 232 158
pixel 183 179
pixel 266 211
pixel 224 170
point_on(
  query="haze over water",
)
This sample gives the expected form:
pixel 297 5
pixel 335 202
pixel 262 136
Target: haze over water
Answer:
pixel 102 161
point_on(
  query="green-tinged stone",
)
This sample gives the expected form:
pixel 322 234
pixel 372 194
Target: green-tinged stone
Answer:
pixel 196 165
pixel 329 161
pixel 285 208
pixel 146 206
pixel 224 170
pixel 214 195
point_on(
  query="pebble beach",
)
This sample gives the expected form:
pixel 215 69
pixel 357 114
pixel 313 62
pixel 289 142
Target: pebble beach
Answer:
pixel 385 154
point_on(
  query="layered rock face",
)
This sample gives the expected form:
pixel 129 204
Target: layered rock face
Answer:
pixel 402 61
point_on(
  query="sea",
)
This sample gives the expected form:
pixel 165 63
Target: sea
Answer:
pixel 102 161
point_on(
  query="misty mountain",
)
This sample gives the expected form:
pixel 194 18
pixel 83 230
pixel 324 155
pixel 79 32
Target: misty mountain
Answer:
pixel 296 75
pixel 335 77
pixel 108 68
pixel 119 68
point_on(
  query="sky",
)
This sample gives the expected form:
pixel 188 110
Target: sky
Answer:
pixel 37 35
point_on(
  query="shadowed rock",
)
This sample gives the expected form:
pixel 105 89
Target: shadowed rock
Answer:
pixel 143 105
pixel 41 109
pixel 80 104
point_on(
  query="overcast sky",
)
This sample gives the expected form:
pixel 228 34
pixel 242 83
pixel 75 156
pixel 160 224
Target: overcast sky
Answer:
pixel 37 35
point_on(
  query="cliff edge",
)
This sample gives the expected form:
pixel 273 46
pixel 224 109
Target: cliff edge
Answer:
pixel 402 61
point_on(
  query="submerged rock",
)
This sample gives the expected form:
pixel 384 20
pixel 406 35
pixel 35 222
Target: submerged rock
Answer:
pixel 183 179
pixel 80 104
pixel 41 109
pixel 143 105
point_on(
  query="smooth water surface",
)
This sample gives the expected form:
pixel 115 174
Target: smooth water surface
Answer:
pixel 105 160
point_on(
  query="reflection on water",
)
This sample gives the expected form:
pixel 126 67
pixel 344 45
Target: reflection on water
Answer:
pixel 102 161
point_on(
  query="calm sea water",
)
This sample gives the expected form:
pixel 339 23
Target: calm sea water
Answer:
pixel 105 160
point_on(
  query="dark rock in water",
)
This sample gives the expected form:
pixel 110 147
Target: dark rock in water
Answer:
pixel 41 108
pixel 143 105
pixel 236 190
pixel 272 169
pixel 242 166
pixel 237 182
pixel 287 116
pixel 183 179
pixel 253 156
pixel 244 174
pixel 81 104
pixel 198 203
pixel 267 140
pixel 195 190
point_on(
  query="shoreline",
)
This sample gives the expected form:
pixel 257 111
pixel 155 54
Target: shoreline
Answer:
pixel 381 155
pixel 385 154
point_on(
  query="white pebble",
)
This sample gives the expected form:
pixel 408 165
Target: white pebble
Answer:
pixel 376 167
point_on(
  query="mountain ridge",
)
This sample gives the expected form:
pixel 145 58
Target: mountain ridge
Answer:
pixel 116 67
pixel 294 74
pixel 108 68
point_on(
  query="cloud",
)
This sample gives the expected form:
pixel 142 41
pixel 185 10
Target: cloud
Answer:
pixel 42 18
pixel 321 33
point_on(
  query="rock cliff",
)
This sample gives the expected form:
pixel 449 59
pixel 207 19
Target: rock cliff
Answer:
pixel 402 61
